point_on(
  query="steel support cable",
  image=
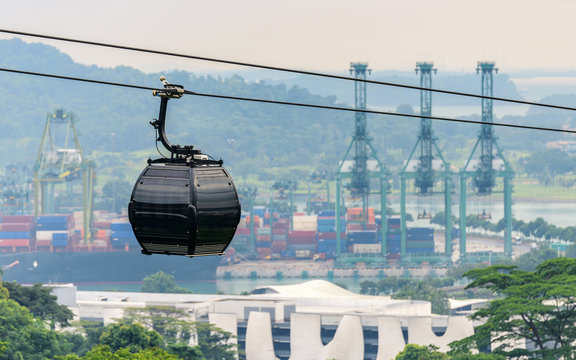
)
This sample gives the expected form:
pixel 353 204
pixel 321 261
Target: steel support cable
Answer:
pixel 276 68
pixel 277 102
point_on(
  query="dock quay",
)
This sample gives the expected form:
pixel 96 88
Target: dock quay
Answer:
pixel 325 269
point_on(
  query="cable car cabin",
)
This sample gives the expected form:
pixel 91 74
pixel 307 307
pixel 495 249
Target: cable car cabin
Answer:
pixel 178 209
pixel 185 204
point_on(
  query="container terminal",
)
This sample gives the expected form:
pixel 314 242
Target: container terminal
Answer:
pixel 49 219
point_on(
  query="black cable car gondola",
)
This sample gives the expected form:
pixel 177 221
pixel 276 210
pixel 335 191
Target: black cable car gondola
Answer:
pixel 186 204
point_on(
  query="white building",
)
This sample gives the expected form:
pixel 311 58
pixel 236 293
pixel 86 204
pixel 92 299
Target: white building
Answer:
pixel 313 320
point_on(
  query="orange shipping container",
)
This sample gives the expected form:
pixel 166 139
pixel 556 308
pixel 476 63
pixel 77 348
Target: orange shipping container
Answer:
pixel 14 242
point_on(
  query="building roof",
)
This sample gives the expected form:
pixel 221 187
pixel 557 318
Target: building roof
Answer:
pixel 313 288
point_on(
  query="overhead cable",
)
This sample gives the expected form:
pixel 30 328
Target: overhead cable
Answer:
pixel 276 68
pixel 277 102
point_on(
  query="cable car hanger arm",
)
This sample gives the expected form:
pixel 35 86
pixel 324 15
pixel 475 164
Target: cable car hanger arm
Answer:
pixel 170 91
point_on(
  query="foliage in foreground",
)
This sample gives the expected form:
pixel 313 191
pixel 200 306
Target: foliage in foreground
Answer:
pixel 538 307
pixel 41 303
pixel 430 352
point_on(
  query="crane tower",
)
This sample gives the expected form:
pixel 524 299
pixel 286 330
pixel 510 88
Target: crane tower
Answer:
pixel 425 169
pixel 488 165
pixel 364 163
pixel 60 164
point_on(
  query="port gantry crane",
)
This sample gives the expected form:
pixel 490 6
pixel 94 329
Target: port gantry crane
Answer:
pixel 320 179
pixel 364 164
pixel 283 186
pixel 15 190
pixel 60 161
pixel 425 169
pixel 486 168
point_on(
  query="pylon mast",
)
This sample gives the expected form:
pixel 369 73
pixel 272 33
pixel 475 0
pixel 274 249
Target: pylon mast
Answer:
pixel 360 183
pixel 484 180
pixel 423 168
pixel 485 169
pixel 363 165
pixel 425 179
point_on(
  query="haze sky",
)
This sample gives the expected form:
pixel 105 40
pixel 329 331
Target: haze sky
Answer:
pixel 309 34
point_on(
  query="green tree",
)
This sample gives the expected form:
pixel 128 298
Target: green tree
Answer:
pixel 530 260
pixel 214 343
pixel 41 303
pixel 133 337
pixel 24 337
pixel 104 352
pixel 423 290
pixel 186 352
pixel 535 306
pixel 417 352
pixel 553 161
pixel 161 282
pixel 369 287
pixel 172 324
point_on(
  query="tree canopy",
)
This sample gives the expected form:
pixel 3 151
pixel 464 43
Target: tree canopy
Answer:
pixel 41 303
pixel 133 337
pixel 161 282
pixel 535 307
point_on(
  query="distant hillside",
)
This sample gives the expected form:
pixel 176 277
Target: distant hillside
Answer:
pixel 261 139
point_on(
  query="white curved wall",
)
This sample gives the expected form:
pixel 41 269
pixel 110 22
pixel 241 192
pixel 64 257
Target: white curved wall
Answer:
pixel 348 342
pixel 390 338
pixel 420 331
pixel 305 337
pixel 259 345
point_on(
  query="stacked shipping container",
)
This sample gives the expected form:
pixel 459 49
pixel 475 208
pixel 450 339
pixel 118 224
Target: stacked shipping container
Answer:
pixel 327 233
pixel 420 240
pixel 53 231
pixel 121 235
pixel 16 233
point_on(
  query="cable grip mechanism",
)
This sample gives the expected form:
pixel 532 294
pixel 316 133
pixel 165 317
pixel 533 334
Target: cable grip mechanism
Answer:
pixel 171 91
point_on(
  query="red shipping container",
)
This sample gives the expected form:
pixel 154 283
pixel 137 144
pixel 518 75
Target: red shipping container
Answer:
pixel 264 251
pixel 330 235
pixel 102 224
pixel 263 238
pixel 243 231
pixel 302 233
pixel 278 246
pixel 256 220
pixel 43 243
pixel 354 226
pixel 17 227
pixel 14 242
pixel 302 240
pixel 280 231
pixel 18 219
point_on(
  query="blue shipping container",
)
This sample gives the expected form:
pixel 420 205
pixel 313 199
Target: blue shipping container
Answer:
pixel 120 226
pixel 123 234
pixel 14 235
pixel 60 242
pixel 52 226
pixel 60 236
pixel 46 219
